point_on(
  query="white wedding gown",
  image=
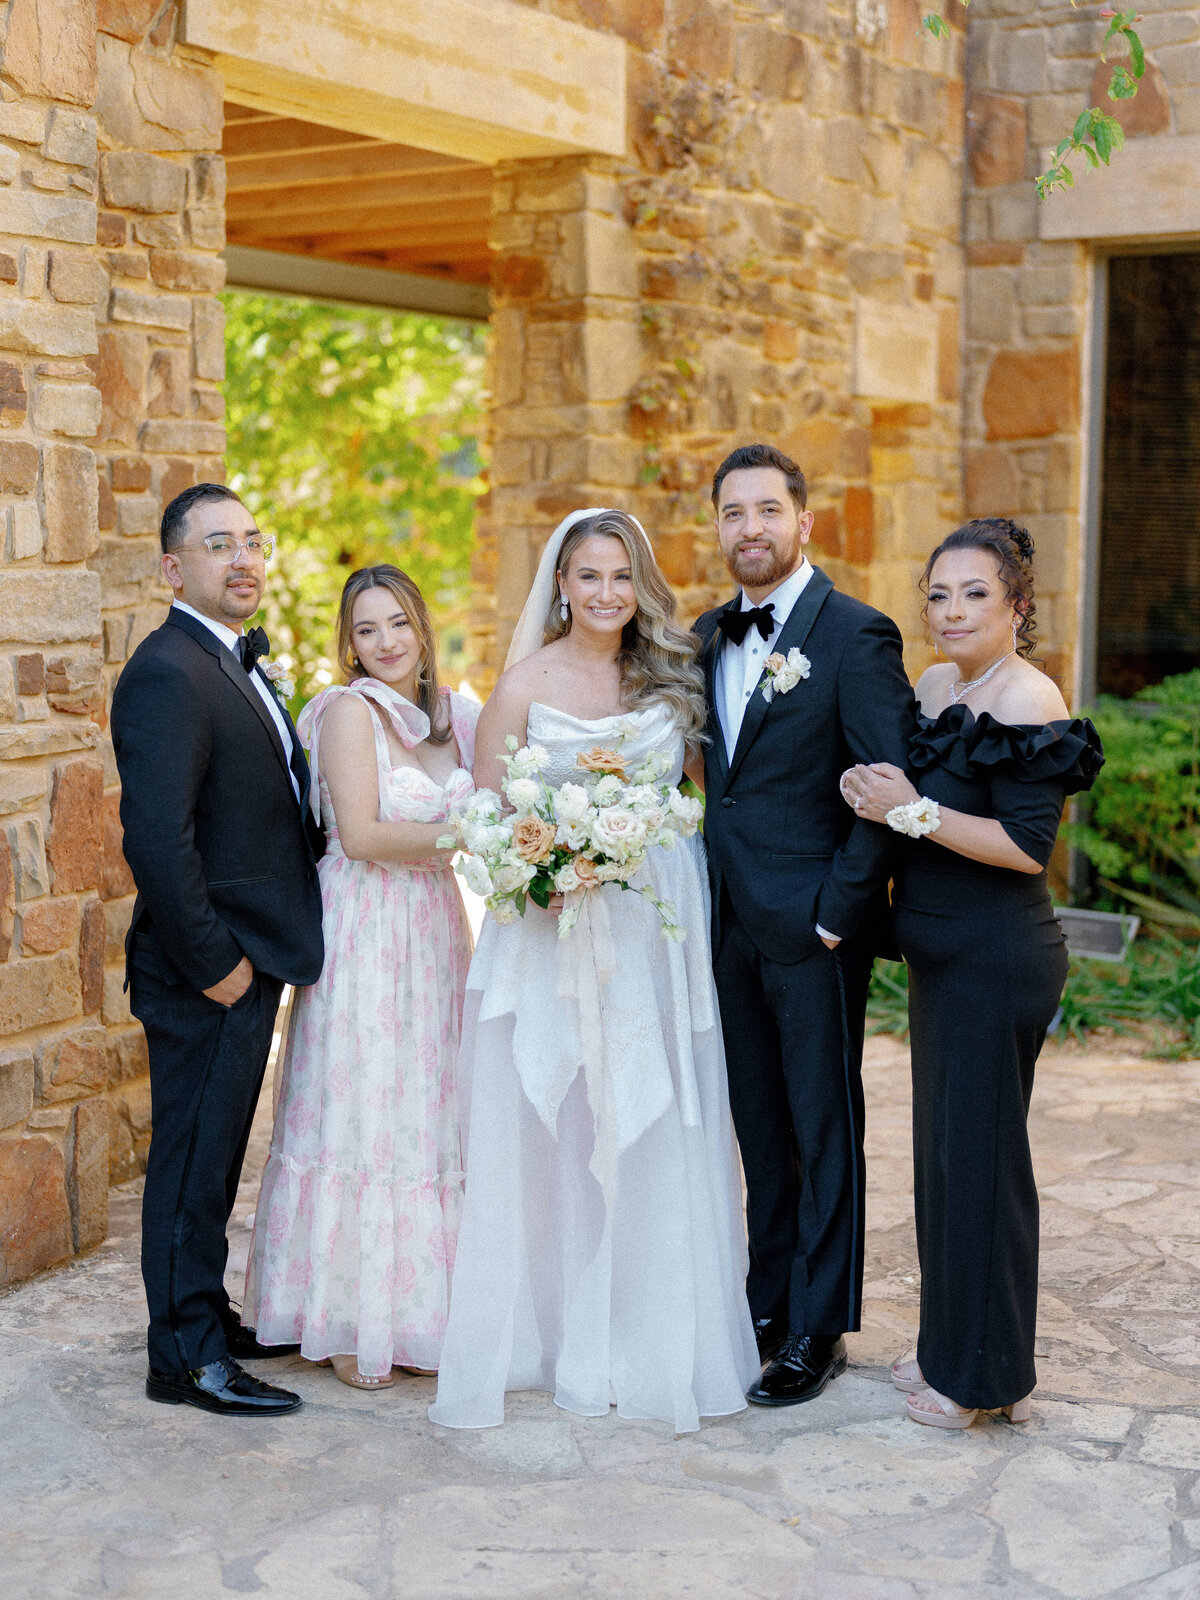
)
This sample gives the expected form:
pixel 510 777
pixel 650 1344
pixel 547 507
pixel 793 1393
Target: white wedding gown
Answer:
pixel 602 1250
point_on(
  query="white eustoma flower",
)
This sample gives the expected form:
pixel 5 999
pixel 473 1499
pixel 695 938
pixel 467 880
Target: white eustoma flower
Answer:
pixel 574 835
pixel 476 875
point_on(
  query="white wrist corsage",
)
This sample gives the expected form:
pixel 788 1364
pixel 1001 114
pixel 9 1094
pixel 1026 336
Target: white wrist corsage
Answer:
pixel 917 817
pixel 276 675
pixel 783 672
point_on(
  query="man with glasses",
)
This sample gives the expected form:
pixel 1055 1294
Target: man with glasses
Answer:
pixel 223 846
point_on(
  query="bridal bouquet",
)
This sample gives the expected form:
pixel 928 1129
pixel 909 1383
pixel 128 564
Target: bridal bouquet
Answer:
pixel 574 837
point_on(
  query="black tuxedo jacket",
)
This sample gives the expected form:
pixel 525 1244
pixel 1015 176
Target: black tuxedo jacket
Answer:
pixel 223 857
pixel 782 843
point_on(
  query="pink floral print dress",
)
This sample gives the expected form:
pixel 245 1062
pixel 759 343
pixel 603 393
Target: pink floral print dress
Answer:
pixel 357 1220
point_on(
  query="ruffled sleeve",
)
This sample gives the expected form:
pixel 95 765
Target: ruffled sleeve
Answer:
pixel 1029 769
pixel 464 715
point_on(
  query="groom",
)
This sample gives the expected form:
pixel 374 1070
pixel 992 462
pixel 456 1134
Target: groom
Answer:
pixel 223 848
pixel 799 890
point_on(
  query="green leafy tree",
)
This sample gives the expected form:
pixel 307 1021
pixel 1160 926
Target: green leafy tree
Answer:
pixel 353 439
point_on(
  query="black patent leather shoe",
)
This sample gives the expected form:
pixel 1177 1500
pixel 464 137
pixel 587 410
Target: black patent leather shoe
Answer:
pixel 244 1346
pixel 801 1370
pixel 769 1335
pixel 223 1387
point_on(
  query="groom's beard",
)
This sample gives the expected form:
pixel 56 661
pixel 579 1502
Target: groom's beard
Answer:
pixel 766 574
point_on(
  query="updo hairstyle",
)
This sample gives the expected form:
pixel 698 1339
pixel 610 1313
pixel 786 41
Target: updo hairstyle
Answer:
pixel 1012 547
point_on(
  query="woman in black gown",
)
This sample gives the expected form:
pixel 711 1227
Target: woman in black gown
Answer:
pixel 994 758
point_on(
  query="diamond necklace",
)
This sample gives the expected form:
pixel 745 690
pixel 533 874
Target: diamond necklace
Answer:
pixel 957 690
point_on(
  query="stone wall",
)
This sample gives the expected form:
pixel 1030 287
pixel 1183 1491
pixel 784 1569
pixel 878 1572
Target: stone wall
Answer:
pixel 778 258
pixel 1031 69
pixel 111 351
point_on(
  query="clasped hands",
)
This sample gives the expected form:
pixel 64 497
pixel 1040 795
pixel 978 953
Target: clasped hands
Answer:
pixel 875 790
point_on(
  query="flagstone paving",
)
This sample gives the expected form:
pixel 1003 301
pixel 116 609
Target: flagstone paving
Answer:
pixel 105 1494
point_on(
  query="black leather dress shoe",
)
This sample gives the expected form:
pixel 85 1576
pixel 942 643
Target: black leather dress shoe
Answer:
pixel 221 1386
pixel 800 1371
pixel 244 1346
pixel 769 1334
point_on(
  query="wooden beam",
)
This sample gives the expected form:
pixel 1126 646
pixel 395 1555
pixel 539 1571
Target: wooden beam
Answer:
pixel 430 228
pixel 360 200
pixel 491 82
pixel 291 169
pixel 454 295
pixel 282 135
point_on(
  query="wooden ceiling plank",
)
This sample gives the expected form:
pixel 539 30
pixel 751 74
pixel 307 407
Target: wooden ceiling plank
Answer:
pixel 303 168
pixel 366 241
pixel 285 135
pixel 361 199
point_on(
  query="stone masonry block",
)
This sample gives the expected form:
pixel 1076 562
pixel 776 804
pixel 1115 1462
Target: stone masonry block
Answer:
pixel 137 182
pixel 16 1087
pixel 42 328
pixel 25 530
pixel 1032 394
pixel 10 165
pixel 996 134
pixel 70 408
pixel 92 940
pixel 35 1217
pixel 158 232
pixel 126 19
pixel 118 880
pixel 182 438
pixel 151 310
pixel 992 486
pixel 130 474
pixel 70 499
pixel 991 305
pixel 168 393
pixel 184 269
pixel 22 122
pixel 14 399
pixel 121 366
pixel 74 277
pixel 7 896
pixel 115 1010
pixel 38 215
pixel 50 49
pixel 48 925
pixel 18 467
pixel 71 138
pixel 37 991
pixel 207 185
pixel 118 914
pixel 27 851
pixel 87 1173
pixel 206 227
pixel 20 789
pixel 155 102
pixel 76 844
pixel 137 514
pixel 38 608
pixel 208 322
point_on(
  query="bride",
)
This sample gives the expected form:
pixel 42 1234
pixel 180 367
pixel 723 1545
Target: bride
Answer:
pixel 602 1252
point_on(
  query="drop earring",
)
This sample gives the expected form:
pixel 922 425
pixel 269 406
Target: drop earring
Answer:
pixel 563 608
pixel 1015 629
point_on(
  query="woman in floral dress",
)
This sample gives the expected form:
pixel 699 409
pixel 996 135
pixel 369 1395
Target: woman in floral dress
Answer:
pixel 357 1221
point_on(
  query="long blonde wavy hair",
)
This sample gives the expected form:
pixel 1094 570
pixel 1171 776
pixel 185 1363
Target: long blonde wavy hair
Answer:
pixel 658 659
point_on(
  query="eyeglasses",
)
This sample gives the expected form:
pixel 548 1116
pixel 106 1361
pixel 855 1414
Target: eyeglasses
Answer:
pixel 225 549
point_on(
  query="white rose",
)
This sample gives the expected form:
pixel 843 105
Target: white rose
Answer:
pixel 608 790
pixel 618 831
pixel 476 875
pixel 685 809
pixel 511 874
pixel 571 803
pixel 566 878
pixel 524 794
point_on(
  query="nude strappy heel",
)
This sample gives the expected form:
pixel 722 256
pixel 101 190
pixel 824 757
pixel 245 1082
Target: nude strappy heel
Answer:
pixel 946 1414
pixel 906 1374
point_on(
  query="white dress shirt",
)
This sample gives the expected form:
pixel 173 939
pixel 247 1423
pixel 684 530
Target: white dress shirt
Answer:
pixel 739 666
pixel 229 638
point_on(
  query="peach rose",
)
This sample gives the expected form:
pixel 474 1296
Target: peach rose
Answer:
pixel 599 759
pixel 775 662
pixel 533 839
pixel 587 872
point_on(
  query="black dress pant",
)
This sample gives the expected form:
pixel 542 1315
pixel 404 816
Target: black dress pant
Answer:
pixel 206 1069
pixel 793 1047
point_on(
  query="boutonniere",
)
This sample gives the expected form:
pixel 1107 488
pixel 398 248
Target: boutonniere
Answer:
pixel 782 673
pixel 277 677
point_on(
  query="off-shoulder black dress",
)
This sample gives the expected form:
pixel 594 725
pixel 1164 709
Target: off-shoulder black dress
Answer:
pixel 986 964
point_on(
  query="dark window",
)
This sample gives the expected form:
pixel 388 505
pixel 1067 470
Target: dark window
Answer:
pixel 1149 601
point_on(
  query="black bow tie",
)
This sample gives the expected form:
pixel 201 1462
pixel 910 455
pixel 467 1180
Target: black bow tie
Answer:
pixel 253 646
pixel 735 625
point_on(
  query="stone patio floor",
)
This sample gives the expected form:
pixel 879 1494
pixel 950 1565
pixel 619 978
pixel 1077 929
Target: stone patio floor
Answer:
pixel 356 1496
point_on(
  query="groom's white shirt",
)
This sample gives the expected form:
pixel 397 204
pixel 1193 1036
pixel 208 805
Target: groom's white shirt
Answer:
pixel 739 666
pixel 229 638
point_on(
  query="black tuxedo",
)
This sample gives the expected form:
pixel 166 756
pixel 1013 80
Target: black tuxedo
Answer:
pixel 785 852
pixel 224 859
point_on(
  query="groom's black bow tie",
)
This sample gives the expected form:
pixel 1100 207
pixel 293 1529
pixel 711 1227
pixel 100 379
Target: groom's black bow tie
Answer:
pixel 253 646
pixel 735 625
